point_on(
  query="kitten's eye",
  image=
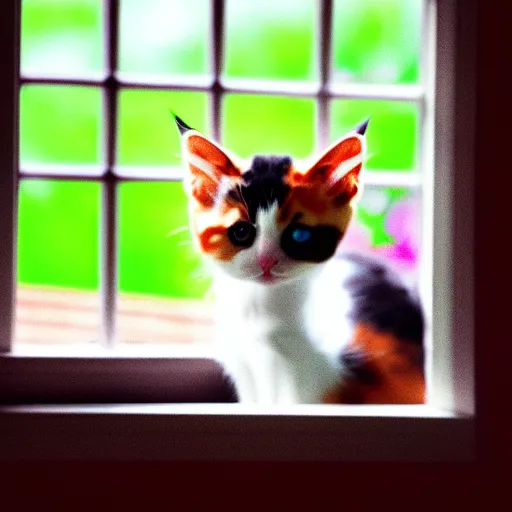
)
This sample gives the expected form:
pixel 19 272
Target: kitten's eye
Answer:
pixel 301 235
pixel 242 233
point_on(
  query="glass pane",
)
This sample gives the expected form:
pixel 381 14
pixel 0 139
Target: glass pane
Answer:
pixel 377 41
pixel 61 37
pixel 162 281
pixel 387 224
pixel 391 134
pixel 58 262
pixel 164 37
pixel 272 40
pixel 147 132
pixel 60 125
pixel 268 124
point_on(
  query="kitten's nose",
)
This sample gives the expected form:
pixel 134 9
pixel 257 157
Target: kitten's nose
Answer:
pixel 266 262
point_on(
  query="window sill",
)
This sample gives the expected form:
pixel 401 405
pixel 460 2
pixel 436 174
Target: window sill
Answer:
pixel 234 432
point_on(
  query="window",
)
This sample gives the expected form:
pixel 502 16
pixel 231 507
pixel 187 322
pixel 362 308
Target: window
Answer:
pixel 102 159
pixel 89 172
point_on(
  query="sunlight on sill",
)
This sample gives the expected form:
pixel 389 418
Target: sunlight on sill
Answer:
pixel 346 411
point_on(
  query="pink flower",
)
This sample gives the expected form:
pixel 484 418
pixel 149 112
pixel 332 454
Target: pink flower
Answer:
pixel 402 224
pixel 357 239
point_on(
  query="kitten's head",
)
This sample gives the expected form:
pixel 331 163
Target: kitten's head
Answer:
pixel 270 220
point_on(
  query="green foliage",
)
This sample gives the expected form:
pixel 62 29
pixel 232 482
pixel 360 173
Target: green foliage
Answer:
pixel 376 41
pixel 60 124
pixel 268 124
pixel 61 36
pixel 270 39
pixel 58 233
pixel 391 134
pixel 152 261
pixel 374 218
pixel 164 37
pixel 147 132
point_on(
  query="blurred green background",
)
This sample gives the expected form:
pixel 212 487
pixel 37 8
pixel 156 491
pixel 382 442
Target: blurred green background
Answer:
pixel 375 41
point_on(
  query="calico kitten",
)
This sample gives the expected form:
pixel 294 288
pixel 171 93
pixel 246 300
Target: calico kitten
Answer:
pixel 297 322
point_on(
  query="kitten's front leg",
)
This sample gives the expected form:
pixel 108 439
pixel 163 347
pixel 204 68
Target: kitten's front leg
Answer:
pixel 263 378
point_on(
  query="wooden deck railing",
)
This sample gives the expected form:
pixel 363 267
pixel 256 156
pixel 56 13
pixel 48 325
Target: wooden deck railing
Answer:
pixel 50 315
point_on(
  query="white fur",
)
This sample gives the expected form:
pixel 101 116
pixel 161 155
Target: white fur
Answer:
pixel 268 336
pixel 265 344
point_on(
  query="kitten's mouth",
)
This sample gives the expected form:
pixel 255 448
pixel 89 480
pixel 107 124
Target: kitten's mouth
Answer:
pixel 269 277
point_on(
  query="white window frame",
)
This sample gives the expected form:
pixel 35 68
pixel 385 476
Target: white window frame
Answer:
pixel 441 430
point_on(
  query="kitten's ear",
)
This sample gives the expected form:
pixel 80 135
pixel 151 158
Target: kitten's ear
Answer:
pixel 338 168
pixel 207 164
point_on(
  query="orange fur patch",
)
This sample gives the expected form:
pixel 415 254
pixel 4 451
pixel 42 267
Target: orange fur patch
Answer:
pixel 214 241
pixel 210 225
pixel 394 363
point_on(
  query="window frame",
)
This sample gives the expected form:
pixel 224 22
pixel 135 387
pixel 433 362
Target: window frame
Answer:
pixel 441 430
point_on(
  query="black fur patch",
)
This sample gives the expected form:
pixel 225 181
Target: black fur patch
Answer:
pixel 358 367
pixel 320 247
pixel 380 299
pixel 263 184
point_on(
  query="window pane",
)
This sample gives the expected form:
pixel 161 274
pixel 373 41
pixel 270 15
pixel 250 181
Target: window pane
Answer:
pixel 268 124
pixel 269 39
pixel 388 224
pixel 391 134
pixel 61 37
pixel 162 281
pixel 58 262
pixel 164 37
pixel 60 125
pixel 148 135
pixel 377 41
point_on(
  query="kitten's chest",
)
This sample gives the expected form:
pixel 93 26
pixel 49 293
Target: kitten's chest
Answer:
pixel 281 345
pixel 255 316
pixel 265 346
pixel 264 375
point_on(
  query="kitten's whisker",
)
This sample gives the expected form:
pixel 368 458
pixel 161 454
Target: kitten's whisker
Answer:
pixel 368 156
pixel 253 276
pixel 178 230
pixel 201 271
pixel 210 292
pixel 184 242
pixel 197 273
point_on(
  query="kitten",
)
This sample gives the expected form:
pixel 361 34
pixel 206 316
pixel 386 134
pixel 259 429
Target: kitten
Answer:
pixel 297 322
